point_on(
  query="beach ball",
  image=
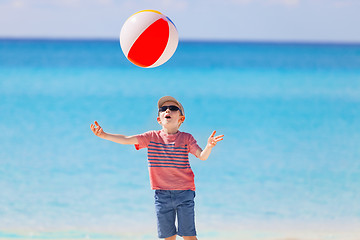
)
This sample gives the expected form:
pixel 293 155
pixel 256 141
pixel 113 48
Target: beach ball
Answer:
pixel 148 38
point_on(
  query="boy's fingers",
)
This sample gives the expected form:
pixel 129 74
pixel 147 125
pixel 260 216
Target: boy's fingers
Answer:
pixel 213 134
pixel 96 129
pixel 216 140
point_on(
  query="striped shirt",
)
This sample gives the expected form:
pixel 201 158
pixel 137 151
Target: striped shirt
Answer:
pixel 168 158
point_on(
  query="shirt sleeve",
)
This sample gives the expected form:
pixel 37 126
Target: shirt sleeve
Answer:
pixel 193 146
pixel 143 140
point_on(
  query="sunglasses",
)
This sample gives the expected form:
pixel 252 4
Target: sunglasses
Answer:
pixel 171 108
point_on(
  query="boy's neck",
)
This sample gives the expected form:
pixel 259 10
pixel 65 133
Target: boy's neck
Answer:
pixel 170 131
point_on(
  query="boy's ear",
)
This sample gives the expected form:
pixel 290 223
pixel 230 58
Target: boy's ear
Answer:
pixel 182 119
pixel 158 120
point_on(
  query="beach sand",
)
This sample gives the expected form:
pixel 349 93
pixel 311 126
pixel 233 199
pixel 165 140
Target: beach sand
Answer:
pixel 286 230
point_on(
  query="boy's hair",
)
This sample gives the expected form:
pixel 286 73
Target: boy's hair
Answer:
pixel 171 99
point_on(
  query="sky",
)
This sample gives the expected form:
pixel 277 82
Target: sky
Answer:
pixel 234 20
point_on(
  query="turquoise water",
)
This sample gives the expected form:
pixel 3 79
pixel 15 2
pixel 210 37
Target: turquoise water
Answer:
pixel 290 114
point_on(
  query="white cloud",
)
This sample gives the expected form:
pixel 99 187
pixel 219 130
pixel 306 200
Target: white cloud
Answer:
pixel 178 5
pixel 105 2
pixel 175 4
pixel 287 2
pixel 265 2
pixel 346 3
pixel 18 4
pixel 12 3
pixel 55 3
pixel 241 2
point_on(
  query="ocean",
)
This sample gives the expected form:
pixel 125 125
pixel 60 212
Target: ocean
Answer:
pixel 288 168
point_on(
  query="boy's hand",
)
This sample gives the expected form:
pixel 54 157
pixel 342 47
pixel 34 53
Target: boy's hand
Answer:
pixel 212 141
pixel 97 130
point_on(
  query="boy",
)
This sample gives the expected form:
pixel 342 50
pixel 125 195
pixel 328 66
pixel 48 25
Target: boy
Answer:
pixel 170 173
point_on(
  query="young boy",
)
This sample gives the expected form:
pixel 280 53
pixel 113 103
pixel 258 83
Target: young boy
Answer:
pixel 170 173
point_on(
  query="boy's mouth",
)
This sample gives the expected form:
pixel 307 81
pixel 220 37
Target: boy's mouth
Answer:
pixel 167 117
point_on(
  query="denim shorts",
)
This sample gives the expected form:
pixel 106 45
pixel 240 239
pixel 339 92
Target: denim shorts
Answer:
pixel 172 203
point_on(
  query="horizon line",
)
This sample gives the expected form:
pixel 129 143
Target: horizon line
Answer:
pixel 207 40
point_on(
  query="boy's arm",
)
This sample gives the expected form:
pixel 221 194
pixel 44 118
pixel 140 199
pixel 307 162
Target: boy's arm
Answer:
pixel 118 138
pixel 212 141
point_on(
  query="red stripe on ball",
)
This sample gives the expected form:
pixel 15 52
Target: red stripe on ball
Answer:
pixel 149 46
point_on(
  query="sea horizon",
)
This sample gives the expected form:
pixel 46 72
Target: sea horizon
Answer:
pixel 190 40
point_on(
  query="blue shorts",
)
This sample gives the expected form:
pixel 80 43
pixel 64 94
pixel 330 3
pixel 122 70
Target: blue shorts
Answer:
pixel 172 203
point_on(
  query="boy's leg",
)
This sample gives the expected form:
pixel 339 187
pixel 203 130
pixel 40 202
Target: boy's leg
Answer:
pixel 190 238
pixel 171 238
pixel 165 215
pixel 186 215
pixel 185 238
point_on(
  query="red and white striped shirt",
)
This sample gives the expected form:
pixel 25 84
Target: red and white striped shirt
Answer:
pixel 168 158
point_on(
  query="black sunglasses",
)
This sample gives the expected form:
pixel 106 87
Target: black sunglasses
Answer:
pixel 171 108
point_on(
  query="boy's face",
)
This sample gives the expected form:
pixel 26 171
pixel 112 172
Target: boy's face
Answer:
pixel 170 119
